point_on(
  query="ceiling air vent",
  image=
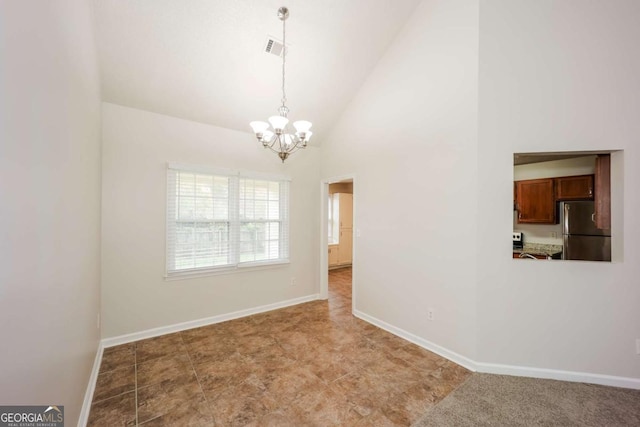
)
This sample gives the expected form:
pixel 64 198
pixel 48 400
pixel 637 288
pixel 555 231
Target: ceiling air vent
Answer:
pixel 273 46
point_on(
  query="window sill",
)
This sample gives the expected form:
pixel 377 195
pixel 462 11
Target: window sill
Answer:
pixel 170 277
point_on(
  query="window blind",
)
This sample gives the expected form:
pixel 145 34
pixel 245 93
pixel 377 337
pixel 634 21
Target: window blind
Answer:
pixel 221 219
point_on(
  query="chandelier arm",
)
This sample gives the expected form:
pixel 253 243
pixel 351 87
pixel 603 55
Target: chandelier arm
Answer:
pixel 270 142
pixel 295 146
pixel 280 144
pixel 272 149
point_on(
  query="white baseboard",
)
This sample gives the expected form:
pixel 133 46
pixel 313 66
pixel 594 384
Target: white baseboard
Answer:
pixel 555 374
pixel 88 395
pixel 447 354
pixel 163 330
pixel 492 368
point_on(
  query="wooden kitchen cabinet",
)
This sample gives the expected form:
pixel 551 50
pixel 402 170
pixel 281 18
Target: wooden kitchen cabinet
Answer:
pixel 535 201
pixel 603 192
pixel 345 251
pixel 346 210
pixel 333 255
pixel 575 187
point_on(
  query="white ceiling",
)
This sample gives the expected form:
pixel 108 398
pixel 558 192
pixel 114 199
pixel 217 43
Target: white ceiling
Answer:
pixel 203 60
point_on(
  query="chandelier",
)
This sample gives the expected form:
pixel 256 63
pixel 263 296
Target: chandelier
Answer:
pixel 279 137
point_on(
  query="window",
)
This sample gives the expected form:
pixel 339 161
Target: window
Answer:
pixel 334 218
pixel 220 220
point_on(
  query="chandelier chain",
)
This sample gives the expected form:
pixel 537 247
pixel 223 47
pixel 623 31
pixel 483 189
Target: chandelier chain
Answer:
pixel 284 55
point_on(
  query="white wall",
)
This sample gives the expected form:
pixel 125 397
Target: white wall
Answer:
pixel 558 76
pixel 49 203
pixel 409 136
pixel 434 193
pixel 136 148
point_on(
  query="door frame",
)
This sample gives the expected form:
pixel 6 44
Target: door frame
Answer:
pixel 324 241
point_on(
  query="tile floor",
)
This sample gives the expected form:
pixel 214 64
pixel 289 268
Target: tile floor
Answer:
pixel 312 364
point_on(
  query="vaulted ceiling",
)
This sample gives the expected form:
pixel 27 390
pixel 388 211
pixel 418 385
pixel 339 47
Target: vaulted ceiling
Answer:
pixel 204 60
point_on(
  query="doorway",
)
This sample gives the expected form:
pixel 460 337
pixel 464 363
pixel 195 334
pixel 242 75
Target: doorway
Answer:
pixel 338 231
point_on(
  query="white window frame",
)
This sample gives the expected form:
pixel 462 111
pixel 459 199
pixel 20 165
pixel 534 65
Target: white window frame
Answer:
pixel 234 220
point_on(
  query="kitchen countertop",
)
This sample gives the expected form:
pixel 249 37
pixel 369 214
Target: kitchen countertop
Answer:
pixel 539 249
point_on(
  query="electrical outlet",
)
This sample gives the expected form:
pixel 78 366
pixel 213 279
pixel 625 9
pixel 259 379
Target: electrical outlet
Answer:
pixel 293 282
pixel 429 313
pixel 554 234
pixel 638 346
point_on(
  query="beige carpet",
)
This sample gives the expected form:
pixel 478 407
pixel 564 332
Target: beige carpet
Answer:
pixel 498 400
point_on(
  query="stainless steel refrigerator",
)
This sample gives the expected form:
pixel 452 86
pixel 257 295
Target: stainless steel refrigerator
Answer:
pixel 581 239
